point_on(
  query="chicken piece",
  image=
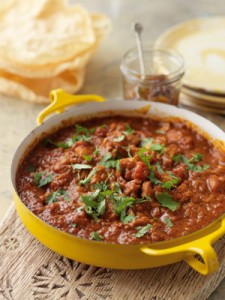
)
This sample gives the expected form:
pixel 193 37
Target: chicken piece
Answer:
pixel 146 189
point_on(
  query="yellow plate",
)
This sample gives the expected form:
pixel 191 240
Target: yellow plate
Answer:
pixel 202 44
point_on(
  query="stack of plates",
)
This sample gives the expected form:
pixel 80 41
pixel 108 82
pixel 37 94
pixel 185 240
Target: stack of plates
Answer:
pixel 202 44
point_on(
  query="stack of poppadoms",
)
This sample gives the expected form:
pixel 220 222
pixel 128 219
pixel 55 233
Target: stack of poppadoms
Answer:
pixel 46 44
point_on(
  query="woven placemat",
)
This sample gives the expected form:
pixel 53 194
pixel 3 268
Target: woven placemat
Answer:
pixel 30 271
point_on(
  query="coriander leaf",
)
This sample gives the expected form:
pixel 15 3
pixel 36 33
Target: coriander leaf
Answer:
pixel 80 166
pixel 81 129
pixel 160 131
pixel 142 230
pixel 30 168
pixel 146 141
pixel 127 219
pixel 102 186
pixel 96 152
pixel 205 167
pixel 168 222
pixel 119 138
pixel 159 168
pixel 65 145
pixel 73 225
pixel 86 181
pixel 95 204
pixel 118 165
pixel 157 147
pixel 41 179
pixel 128 130
pixel 96 236
pixel 146 198
pixel 144 158
pixel 88 157
pixel 54 197
pixel 79 209
pixel 177 158
pixel 166 200
pixel 128 151
pixel 196 157
pixel 201 168
pixel 117 188
pixel 104 159
pixel 122 203
pixel 92 130
pixel 152 177
pixel 170 183
pixel 37 177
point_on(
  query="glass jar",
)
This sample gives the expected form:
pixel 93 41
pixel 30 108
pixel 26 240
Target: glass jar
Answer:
pixel 161 81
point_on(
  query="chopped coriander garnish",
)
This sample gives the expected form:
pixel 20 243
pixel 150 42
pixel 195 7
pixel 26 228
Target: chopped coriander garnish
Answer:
pixel 107 162
pixel 168 222
pixel 88 157
pixel 117 188
pixel 80 166
pixel 146 141
pixel 142 230
pixel 146 198
pixel 86 181
pixel 79 209
pixel 73 225
pixel 177 158
pixel 94 204
pixel 127 219
pixel 102 186
pixel 54 197
pixel 104 159
pixel 41 179
pixel 37 177
pixel 159 168
pixel 92 130
pixel 30 168
pixel 119 138
pixel 128 130
pixel 170 183
pixel 160 131
pixel 145 158
pixel 82 129
pixel 82 133
pixel 96 236
pixel 96 152
pixel 196 157
pixel 128 151
pixel 152 177
pixel 121 205
pixel 157 147
pixel 188 162
pixel 166 200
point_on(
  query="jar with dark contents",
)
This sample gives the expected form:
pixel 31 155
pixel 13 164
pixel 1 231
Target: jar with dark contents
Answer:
pixel 161 80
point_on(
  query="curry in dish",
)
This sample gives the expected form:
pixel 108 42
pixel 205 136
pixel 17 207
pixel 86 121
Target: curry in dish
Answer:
pixel 126 180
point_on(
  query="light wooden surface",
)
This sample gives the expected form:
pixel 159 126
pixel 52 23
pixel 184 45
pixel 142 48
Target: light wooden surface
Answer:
pixel 30 271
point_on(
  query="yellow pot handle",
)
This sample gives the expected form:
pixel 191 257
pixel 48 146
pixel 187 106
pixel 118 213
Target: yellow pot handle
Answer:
pixel 60 99
pixel 201 247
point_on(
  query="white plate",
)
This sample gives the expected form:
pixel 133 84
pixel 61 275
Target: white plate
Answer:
pixel 202 44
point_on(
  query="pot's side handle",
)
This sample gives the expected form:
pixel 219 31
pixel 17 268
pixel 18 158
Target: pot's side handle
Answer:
pixel 201 247
pixel 60 99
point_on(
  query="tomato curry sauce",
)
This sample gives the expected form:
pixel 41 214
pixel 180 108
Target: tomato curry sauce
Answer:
pixel 124 180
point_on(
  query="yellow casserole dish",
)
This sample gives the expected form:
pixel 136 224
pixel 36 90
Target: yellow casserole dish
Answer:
pixel 117 255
